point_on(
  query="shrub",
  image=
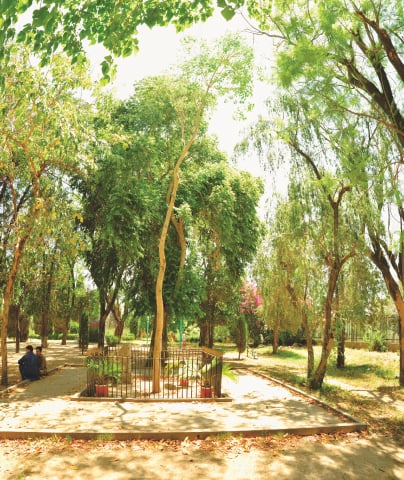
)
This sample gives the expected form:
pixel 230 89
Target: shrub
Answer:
pixel 192 333
pixel 74 327
pixel 288 339
pixel 128 337
pixel 222 333
pixel 112 340
pixel 375 340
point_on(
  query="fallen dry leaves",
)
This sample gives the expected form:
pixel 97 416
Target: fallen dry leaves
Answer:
pixel 222 444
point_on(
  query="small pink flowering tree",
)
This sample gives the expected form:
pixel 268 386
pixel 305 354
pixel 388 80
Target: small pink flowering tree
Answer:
pixel 251 300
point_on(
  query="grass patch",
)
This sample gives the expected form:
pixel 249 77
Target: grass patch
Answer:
pixel 289 354
pixel 367 387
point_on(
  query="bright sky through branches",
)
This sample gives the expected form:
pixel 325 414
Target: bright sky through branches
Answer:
pixel 159 48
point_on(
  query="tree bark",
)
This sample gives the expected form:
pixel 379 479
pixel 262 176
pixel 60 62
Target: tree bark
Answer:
pixel 157 348
pixel 275 339
pixel 18 249
pixel 341 349
pixel 206 333
pixel 106 305
pixel 309 344
pixel 316 381
pixel 379 259
pixel 46 303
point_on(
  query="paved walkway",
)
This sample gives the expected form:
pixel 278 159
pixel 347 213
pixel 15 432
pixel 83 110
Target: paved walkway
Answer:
pixel 260 406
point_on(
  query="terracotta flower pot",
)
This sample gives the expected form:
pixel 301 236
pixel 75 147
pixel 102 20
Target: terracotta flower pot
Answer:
pixel 206 392
pixel 101 390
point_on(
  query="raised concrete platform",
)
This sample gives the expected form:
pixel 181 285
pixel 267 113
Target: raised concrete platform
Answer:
pixel 260 406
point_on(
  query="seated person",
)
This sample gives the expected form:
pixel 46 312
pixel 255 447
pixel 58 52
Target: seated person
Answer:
pixel 41 359
pixel 28 365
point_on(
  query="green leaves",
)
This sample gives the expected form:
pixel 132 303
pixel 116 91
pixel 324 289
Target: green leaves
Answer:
pixel 228 12
pixel 70 23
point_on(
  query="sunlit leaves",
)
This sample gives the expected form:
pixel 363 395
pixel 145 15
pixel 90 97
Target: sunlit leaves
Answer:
pixel 70 23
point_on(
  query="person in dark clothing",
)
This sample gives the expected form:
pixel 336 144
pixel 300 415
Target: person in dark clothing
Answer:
pixel 28 365
pixel 41 359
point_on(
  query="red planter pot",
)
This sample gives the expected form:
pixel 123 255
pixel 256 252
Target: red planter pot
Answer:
pixel 101 390
pixel 206 392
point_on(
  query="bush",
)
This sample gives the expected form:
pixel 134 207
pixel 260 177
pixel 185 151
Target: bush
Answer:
pixel 112 340
pixel 222 333
pixel 375 340
pixel 74 327
pixel 288 339
pixel 34 335
pixel 128 337
pixel 192 333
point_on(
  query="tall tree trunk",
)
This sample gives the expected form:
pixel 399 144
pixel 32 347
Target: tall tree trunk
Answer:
pixel 341 348
pixel 46 304
pixel 44 328
pixel 119 321
pixel 17 331
pixel 316 381
pixel 379 259
pixel 164 341
pixel 309 344
pixel 206 332
pixel 65 331
pixel 340 334
pixel 172 194
pixel 71 295
pixel 179 227
pixel 18 249
pixel 106 305
pixel 275 339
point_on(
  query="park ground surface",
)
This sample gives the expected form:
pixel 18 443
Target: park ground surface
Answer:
pixel 376 454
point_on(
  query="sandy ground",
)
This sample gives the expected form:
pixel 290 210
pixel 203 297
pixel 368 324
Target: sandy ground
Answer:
pixel 349 456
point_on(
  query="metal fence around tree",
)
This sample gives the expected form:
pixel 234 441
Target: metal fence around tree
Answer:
pixel 127 372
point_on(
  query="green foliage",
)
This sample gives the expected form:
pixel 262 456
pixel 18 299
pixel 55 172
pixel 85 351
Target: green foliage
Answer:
pixel 112 340
pixel 240 334
pixel 71 24
pixel 375 339
pixel 128 337
pixel 74 327
pixel 83 330
pixel 104 370
pixel 192 333
pixel 292 338
pixel 222 333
